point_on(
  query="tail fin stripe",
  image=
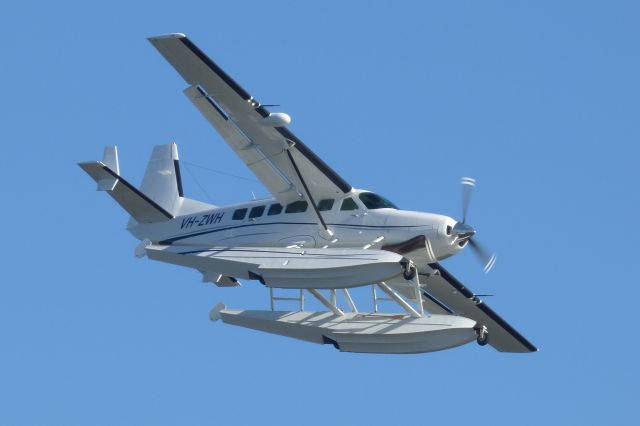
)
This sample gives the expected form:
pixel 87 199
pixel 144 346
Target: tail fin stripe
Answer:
pixel 176 165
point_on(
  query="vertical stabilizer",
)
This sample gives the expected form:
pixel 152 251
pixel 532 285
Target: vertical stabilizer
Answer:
pixel 162 181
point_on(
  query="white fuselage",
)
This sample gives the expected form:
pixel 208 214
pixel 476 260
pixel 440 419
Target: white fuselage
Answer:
pixel 355 228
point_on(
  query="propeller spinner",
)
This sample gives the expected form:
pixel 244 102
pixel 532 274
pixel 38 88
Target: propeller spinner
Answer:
pixel 464 232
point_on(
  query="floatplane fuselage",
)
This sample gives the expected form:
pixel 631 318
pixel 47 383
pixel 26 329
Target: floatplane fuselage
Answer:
pixel 266 223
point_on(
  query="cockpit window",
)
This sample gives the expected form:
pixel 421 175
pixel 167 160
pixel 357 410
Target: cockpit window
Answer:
pixel 375 201
pixel 326 204
pixel 348 204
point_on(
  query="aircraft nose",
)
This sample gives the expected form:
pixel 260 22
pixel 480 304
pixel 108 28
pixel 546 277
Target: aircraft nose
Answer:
pixel 462 230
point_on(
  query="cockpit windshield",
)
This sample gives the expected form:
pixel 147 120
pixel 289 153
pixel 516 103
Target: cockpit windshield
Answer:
pixel 374 201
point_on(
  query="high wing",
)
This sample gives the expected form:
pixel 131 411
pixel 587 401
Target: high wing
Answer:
pixel 281 161
pixel 445 288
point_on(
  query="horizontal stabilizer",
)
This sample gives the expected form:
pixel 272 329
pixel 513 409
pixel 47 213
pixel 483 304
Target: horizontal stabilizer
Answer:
pixel 287 267
pixel 107 184
pixel 138 205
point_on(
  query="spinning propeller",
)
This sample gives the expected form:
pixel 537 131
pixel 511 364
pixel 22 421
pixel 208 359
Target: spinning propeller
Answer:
pixel 464 232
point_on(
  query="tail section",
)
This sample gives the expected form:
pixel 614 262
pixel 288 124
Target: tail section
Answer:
pixel 142 208
pixel 159 198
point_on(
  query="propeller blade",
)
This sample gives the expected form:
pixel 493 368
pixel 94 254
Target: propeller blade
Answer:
pixel 467 189
pixel 487 257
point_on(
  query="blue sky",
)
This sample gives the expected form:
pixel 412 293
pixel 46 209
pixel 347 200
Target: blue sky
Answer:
pixel 536 100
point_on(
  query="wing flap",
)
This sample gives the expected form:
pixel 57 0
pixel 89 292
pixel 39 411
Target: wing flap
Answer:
pixel 447 289
pixel 271 167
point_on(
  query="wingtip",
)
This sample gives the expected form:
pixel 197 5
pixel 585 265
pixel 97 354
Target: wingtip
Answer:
pixel 170 35
pixel 84 164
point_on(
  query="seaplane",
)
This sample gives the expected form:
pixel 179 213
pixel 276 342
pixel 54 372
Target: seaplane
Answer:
pixel 317 237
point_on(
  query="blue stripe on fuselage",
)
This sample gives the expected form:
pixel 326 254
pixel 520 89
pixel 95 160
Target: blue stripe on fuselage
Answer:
pixel 171 240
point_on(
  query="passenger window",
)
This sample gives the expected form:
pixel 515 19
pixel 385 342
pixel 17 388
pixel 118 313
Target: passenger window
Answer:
pixel 325 205
pixel 349 204
pixel 274 209
pixel 297 207
pixel 256 212
pixel 239 214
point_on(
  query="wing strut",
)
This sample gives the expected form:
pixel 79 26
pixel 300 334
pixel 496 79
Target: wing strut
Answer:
pixel 309 196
